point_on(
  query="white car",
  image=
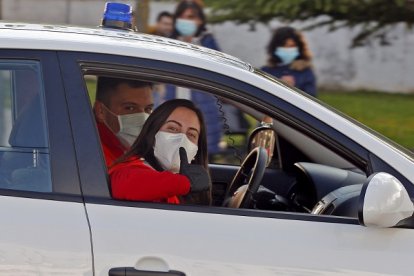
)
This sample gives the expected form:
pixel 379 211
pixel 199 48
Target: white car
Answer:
pixel 333 198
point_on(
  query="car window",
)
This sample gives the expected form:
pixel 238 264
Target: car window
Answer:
pixel 24 154
pixel 228 127
pixel 301 169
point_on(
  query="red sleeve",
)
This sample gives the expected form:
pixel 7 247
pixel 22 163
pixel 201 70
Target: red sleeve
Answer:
pixel 140 182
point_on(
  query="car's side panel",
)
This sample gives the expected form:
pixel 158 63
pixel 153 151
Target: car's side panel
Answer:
pixel 47 233
pixel 217 244
pixel 43 237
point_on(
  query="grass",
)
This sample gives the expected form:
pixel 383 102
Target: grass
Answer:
pixel 389 114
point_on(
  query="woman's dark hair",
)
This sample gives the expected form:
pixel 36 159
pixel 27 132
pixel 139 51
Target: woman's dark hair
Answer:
pixel 197 9
pixel 144 145
pixel 280 35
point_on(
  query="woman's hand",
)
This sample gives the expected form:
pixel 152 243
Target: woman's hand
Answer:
pixel 198 176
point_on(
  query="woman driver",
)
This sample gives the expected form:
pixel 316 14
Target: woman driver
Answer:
pixel 152 170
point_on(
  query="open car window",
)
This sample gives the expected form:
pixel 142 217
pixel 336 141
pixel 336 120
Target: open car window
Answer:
pixel 302 171
pixel 233 122
pixel 228 127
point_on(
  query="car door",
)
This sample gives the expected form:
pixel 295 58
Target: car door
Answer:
pixel 134 238
pixel 44 229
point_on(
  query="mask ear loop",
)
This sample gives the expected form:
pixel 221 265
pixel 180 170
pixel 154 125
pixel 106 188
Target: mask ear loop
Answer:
pixel 113 114
pixel 107 109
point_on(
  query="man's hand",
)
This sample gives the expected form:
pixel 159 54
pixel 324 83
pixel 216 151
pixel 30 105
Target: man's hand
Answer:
pixel 198 176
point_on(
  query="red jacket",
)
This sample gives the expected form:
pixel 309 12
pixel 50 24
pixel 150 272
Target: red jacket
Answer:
pixel 134 180
pixel 111 146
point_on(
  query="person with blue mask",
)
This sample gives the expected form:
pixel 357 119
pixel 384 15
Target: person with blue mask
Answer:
pixel 290 60
pixel 190 26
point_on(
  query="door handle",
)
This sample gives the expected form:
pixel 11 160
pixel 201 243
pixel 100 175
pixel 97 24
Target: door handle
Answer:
pixel 130 271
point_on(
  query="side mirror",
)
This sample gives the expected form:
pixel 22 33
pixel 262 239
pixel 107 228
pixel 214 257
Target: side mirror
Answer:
pixel 383 201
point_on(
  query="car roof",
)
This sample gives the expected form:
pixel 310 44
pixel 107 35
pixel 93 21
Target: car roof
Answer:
pixel 111 41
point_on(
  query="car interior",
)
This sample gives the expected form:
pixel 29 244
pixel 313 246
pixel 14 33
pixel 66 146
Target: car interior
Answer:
pixel 285 170
pixel 267 164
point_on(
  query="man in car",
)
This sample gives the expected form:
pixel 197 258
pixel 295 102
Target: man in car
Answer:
pixel 121 108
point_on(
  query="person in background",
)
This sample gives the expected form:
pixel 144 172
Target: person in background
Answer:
pixel 120 109
pixel 157 168
pixel 190 26
pixel 164 25
pixel 290 60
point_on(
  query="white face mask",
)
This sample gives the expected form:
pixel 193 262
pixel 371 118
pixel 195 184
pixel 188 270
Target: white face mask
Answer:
pixel 166 149
pixel 130 126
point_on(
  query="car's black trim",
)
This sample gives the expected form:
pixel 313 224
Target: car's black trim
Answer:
pixel 132 271
pixel 40 195
pixel 409 224
pixel 92 168
pixel 222 211
pixel 362 200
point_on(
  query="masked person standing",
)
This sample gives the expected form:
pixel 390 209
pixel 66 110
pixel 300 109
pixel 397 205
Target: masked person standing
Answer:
pixel 190 26
pixel 290 60
pixel 120 109
pixel 157 167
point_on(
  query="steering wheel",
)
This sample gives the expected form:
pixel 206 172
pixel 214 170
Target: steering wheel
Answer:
pixel 247 180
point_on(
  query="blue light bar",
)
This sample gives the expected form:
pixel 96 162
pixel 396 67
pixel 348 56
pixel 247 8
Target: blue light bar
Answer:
pixel 118 16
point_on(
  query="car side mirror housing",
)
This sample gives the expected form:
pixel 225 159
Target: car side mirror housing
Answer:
pixel 383 202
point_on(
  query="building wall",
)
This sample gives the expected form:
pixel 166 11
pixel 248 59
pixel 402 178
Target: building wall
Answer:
pixel 387 68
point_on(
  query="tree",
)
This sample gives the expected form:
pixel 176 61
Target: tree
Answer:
pixel 373 17
pixel 141 15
